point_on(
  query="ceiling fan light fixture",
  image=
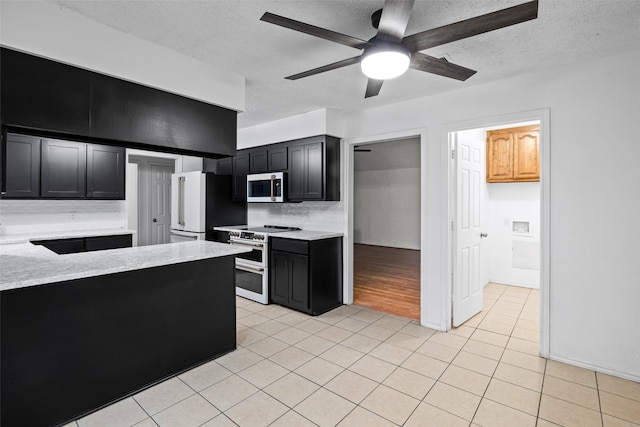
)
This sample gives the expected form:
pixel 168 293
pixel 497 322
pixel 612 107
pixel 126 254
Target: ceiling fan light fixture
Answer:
pixel 385 61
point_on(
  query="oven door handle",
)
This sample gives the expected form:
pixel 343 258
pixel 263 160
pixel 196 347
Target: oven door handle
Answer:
pixel 238 242
pixel 250 269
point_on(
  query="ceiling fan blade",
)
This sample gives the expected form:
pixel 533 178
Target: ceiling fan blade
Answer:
pixel 373 87
pixel 394 19
pixel 314 31
pixel 339 64
pixel 442 67
pixel 471 27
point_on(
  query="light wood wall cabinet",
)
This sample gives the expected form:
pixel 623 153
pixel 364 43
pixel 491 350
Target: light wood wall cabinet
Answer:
pixel 513 155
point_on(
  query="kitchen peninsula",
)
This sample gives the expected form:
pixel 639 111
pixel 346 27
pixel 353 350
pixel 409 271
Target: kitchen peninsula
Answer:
pixel 79 331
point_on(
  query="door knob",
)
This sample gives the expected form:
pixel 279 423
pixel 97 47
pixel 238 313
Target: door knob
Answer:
pixel 483 234
pixel 154 220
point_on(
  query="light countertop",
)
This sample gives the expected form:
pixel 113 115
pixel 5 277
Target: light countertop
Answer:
pixel 24 264
pixel 46 235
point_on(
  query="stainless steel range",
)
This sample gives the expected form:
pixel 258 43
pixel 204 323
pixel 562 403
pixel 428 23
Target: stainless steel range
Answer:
pixel 252 268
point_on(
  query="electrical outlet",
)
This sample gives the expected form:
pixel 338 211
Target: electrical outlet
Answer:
pixel 73 216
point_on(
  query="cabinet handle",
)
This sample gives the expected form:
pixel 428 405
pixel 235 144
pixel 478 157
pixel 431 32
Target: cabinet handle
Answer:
pixel 483 234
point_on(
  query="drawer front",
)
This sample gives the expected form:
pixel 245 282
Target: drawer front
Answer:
pixel 290 245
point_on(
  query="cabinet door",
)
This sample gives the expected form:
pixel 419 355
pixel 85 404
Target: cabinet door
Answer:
pixel 258 161
pixel 499 156
pixel 41 94
pixel 105 172
pixel 299 282
pixel 296 173
pixel 22 166
pixel 314 176
pixel 277 159
pixel 240 172
pixel 279 277
pixel 100 243
pixel 63 169
pixel 526 157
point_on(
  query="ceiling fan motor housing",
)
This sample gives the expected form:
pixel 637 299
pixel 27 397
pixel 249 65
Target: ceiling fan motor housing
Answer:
pixel 384 59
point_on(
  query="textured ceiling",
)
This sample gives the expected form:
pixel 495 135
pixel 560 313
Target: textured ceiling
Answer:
pixel 230 35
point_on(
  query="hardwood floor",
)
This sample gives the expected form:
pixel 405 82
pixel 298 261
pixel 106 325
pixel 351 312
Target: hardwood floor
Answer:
pixel 387 279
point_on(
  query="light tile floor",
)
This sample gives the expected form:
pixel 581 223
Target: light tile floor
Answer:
pixel 357 367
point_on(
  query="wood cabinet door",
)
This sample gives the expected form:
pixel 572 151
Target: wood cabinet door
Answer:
pixel 63 169
pixel 499 156
pixel 295 182
pixel 314 176
pixel 526 155
pixel 105 172
pixel 22 166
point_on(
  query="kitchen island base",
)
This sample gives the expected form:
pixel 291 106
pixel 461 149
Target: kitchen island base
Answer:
pixel 72 347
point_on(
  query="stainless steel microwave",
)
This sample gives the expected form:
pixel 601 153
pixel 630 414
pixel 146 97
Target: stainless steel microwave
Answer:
pixel 266 187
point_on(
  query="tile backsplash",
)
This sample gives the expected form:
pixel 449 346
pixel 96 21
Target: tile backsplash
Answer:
pixel 32 216
pixel 321 216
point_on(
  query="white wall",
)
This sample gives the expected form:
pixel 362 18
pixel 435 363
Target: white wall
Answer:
pixel 594 198
pixel 386 209
pixel 294 127
pixel 514 259
pixel 75 39
pixel 321 216
pixel 35 216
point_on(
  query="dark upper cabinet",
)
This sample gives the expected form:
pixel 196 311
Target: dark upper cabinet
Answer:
pixel 22 167
pixel 314 169
pixel 105 172
pixel 312 165
pixel 277 159
pixel 41 94
pixel 225 166
pixel 306 172
pixel 240 172
pixel 126 111
pixel 258 161
pixel 63 169
pixel 63 100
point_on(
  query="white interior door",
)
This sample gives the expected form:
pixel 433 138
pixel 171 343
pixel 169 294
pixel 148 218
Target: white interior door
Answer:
pixel 160 203
pixel 467 282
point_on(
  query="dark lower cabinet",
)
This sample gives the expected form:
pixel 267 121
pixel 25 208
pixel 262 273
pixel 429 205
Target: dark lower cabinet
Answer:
pixel 86 244
pixel 63 169
pixel 22 167
pixel 101 243
pixel 306 275
pixel 105 172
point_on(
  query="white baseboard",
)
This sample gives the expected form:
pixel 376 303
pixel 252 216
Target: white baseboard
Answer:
pixel 580 364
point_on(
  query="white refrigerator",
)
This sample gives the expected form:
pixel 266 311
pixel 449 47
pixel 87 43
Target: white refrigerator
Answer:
pixel 201 201
pixel 188 204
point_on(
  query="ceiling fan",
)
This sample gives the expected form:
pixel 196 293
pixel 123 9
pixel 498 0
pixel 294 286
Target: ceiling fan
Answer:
pixel 389 53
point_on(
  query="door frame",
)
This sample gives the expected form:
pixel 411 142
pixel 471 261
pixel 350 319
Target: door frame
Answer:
pixel 348 192
pixel 134 157
pixel 448 187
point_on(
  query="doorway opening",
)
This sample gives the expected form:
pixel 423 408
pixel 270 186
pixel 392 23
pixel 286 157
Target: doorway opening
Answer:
pixel 497 231
pixel 386 226
pixel 149 178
